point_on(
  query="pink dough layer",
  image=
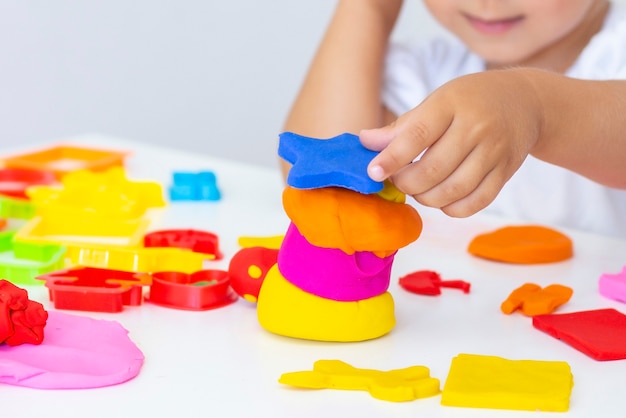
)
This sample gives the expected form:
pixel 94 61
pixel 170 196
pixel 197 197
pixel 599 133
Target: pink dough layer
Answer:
pixel 77 352
pixel 329 272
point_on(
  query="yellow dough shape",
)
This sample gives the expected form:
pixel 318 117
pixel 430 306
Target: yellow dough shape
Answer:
pixel 493 382
pixel 391 193
pixel 287 310
pixel 272 242
pixel 398 385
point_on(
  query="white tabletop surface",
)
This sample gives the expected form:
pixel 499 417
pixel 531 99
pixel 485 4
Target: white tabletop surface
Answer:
pixel 221 363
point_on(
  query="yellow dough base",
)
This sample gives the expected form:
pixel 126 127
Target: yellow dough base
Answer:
pixel 287 310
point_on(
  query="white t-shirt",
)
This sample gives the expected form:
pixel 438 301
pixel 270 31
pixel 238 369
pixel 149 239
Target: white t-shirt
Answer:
pixel 538 192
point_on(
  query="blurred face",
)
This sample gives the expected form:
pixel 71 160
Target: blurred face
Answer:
pixel 521 32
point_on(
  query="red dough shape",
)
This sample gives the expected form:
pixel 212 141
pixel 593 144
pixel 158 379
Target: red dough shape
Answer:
pixel 248 268
pixel 600 334
pixel 426 282
pixel 21 320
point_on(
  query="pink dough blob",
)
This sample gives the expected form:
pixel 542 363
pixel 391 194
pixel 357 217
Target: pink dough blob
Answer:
pixel 613 286
pixel 77 353
pixel 329 272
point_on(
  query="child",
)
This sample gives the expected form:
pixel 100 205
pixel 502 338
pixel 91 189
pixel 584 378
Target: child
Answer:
pixel 522 113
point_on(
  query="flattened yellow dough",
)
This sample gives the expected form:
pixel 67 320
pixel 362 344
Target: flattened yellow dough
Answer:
pixel 493 382
pixel 287 310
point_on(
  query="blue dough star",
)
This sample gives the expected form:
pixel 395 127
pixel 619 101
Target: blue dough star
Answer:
pixel 340 161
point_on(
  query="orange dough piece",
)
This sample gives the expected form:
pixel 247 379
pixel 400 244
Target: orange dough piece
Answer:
pixel 518 296
pixel 547 300
pixel 533 300
pixel 333 217
pixel 526 244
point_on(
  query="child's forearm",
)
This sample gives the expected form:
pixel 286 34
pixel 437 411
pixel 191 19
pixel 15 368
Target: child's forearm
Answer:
pixel 341 92
pixel 584 128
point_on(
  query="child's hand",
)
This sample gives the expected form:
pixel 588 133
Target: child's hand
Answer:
pixel 476 130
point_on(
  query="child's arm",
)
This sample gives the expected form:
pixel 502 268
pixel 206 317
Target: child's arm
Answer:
pixel 479 129
pixel 341 92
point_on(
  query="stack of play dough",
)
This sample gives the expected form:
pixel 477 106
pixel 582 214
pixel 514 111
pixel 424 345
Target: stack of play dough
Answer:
pixel 334 265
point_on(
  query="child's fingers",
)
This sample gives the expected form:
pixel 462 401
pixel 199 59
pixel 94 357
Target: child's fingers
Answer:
pixel 438 163
pixel 376 139
pixel 405 138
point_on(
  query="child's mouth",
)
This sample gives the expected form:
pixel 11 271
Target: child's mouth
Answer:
pixel 493 26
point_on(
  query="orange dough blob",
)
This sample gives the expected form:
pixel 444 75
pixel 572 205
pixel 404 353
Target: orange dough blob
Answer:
pixel 333 217
pixel 525 244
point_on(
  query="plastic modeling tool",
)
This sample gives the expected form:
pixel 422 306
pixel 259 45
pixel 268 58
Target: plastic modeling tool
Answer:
pixel 399 385
pixel 22 262
pixel 191 239
pixel 339 161
pixel 11 207
pixel 107 195
pixel 68 230
pixel 64 159
pixel 95 289
pixel 15 181
pixel 199 291
pixel 137 259
pixel 427 282
pixel 194 186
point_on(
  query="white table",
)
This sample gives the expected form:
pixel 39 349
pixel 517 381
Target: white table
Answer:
pixel 221 363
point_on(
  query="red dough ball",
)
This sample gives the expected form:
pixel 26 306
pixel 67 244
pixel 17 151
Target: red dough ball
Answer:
pixel 248 268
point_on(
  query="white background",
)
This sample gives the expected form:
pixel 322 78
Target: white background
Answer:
pixel 213 76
